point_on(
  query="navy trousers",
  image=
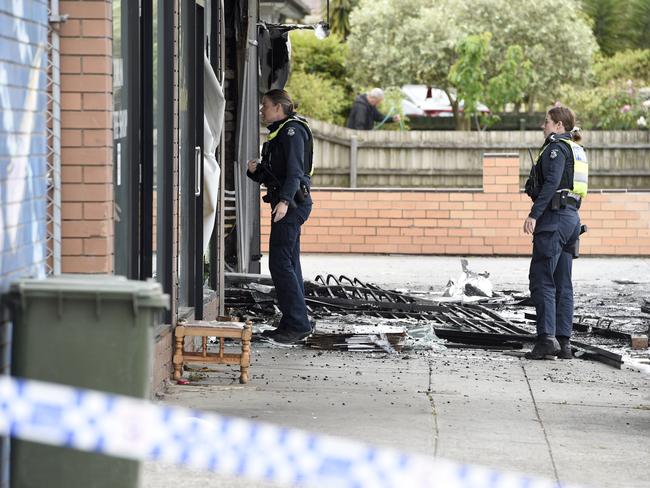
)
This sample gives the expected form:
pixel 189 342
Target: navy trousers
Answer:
pixel 284 264
pixel 551 288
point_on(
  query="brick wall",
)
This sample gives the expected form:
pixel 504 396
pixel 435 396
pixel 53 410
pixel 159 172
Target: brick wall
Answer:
pixel 86 137
pixel 487 222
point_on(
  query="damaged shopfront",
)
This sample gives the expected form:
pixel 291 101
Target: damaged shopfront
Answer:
pixel 185 123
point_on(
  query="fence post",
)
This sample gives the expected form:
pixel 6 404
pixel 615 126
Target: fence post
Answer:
pixel 354 145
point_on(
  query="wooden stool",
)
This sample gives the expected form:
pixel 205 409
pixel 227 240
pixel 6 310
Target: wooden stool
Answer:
pixel 222 330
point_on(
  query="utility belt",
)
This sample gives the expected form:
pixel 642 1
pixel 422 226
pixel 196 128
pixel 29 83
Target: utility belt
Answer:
pixel 562 198
pixel 273 194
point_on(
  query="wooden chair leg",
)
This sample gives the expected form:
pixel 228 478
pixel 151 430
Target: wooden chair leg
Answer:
pixel 245 358
pixel 178 356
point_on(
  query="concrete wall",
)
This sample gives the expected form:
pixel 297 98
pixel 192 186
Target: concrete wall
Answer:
pixel 487 222
pixel 86 137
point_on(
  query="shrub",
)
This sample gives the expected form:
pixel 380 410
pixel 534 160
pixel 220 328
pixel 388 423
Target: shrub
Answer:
pixel 317 97
pixel 615 106
pixel 631 64
pixel 325 57
pixel 319 77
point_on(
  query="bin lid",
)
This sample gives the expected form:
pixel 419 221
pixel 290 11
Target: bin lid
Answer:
pixel 93 287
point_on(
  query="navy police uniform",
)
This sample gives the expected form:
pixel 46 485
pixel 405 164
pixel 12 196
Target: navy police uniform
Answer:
pixel 555 237
pixel 285 170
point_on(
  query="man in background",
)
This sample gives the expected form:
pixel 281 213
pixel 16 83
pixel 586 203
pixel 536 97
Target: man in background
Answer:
pixel 364 111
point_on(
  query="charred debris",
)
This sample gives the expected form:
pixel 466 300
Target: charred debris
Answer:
pixel 355 316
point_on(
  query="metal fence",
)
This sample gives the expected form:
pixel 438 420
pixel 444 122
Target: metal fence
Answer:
pixel 444 159
pixel 53 120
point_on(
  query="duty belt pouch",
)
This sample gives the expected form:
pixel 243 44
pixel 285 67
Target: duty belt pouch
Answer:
pixel 271 195
pixel 559 201
pixel 301 194
pixel 576 249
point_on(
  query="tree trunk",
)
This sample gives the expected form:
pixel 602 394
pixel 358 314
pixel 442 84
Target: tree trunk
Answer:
pixel 531 104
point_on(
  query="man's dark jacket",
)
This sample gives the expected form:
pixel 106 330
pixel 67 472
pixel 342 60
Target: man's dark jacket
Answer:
pixel 363 115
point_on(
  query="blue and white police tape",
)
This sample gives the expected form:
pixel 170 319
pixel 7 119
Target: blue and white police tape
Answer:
pixel 136 429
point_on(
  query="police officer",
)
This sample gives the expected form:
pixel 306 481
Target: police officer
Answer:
pixel 557 185
pixel 285 170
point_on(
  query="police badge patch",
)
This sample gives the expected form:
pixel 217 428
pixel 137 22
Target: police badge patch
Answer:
pixel 553 154
pixel 291 131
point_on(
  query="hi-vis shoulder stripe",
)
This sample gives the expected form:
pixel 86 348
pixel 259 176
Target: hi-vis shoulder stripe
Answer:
pixel 137 429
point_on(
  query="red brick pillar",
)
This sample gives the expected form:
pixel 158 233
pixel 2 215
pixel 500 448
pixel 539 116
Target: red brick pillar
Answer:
pixel 86 137
pixel 501 173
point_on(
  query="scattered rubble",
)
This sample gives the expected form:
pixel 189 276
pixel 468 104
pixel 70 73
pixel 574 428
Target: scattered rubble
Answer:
pixel 469 284
pixel 351 315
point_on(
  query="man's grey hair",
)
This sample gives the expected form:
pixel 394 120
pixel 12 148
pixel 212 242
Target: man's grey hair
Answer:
pixel 376 93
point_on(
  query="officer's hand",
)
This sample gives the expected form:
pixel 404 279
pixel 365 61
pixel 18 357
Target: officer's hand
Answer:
pixel 396 118
pixel 529 225
pixel 280 211
pixel 252 165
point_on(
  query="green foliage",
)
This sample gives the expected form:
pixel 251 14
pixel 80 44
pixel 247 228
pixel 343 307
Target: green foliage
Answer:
pixel 381 50
pixel 639 24
pixel 319 77
pixel 631 64
pixel 312 55
pixel 609 24
pixel 394 42
pixel 619 25
pixel 392 105
pixel 318 97
pixel 467 73
pixel 553 34
pixel 615 106
pixel 340 16
pixel 509 86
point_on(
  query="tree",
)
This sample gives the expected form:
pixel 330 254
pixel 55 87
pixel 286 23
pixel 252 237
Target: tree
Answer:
pixel 340 16
pixel 404 41
pixel 467 74
pixel 509 86
pixel 395 42
pixel 554 35
pixel 609 24
pixel 318 80
pixel 639 23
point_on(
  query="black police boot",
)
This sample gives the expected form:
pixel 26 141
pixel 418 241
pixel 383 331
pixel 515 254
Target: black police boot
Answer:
pixel 546 347
pixel 288 337
pixel 565 348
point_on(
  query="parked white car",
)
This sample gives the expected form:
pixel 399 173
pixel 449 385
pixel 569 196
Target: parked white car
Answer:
pixel 426 101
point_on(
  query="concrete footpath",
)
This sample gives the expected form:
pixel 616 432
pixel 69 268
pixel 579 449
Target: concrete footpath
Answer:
pixel 572 421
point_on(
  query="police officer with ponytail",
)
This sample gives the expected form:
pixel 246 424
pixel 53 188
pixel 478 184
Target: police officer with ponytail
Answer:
pixel 285 170
pixel 557 185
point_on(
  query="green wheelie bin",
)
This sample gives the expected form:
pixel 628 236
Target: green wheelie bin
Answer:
pixel 87 331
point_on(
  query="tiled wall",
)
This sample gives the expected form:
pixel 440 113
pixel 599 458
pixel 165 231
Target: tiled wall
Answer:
pixel 487 222
pixel 86 137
